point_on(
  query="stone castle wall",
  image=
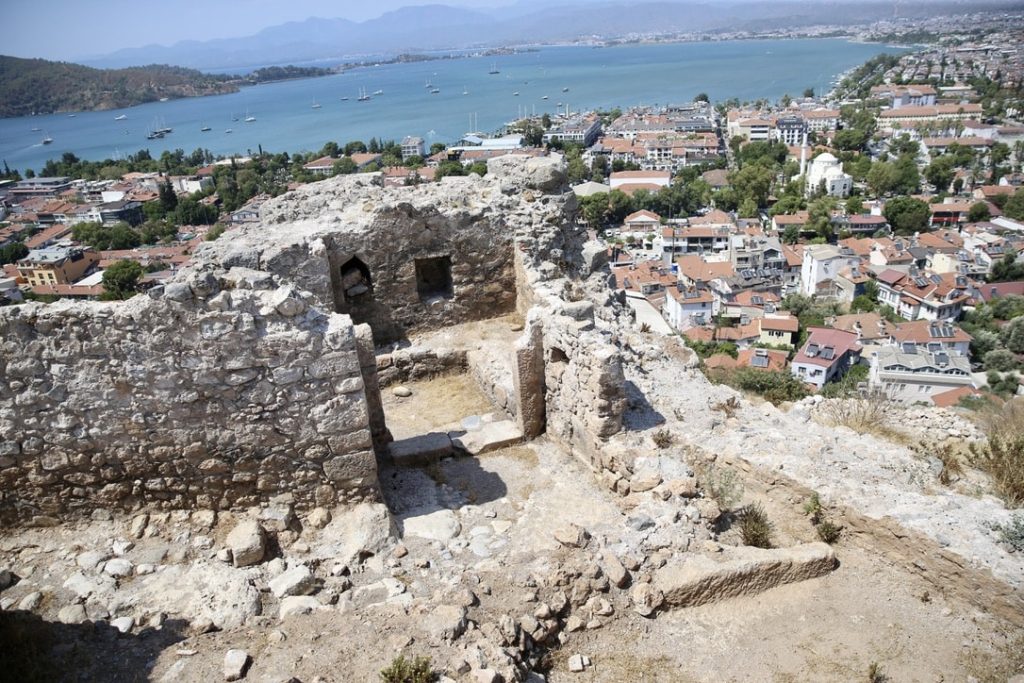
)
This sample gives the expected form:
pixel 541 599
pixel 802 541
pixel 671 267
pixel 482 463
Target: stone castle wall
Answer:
pixel 224 392
pixel 246 378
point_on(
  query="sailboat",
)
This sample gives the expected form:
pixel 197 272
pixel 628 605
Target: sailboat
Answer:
pixel 47 140
pixel 464 90
pixel 249 118
pixel 565 90
pixel 434 91
pixel 363 97
pixel 204 129
pixel 316 105
pixel 494 69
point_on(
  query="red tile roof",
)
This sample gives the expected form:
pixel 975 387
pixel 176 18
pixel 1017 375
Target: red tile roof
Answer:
pixel 840 341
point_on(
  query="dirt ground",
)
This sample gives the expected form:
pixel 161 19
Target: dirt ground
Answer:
pixel 506 504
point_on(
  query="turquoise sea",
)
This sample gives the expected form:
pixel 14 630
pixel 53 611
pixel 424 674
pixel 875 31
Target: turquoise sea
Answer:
pixel 469 98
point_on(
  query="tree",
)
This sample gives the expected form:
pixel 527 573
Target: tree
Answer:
pixel 702 97
pixel 907 215
pixel 862 304
pixel 168 198
pixel 11 252
pixel 1014 207
pixel 850 140
pixel 1006 269
pixel 1002 360
pixel 329 150
pixel 940 173
pixel 545 121
pixel 1012 335
pixel 344 166
pixel 978 212
pixel 808 92
pixel 854 206
pixel 121 279
pixel 881 179
pixel 820 216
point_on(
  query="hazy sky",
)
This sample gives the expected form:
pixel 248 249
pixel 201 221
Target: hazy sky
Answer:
pixel 74 29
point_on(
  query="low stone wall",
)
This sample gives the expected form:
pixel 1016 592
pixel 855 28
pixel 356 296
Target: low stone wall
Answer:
pixel 414 363
pixel 226 390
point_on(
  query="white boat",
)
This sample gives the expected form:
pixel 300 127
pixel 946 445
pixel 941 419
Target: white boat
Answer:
pixel 565 90
pixel 204 129
pixel 71 116
pixel 47 140
pixel 434 91
pixel 316 105
pixel 464 90
pixel 36 129
pixel 545 97
pixel 249 118
pixel 122 117
pixel 228 130
pixel 344 99
pixel 378 92
pixel 363 97
pixel 515 94
pixel 164 99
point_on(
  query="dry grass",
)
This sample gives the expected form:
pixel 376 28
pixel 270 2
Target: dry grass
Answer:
pixel 434 404
pixel 869 415
pixel 1005 420
pixel 999 664
pixel 728 407
pixel 950 454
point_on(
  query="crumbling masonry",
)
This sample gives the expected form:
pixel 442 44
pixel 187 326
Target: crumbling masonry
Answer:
pixel 254 372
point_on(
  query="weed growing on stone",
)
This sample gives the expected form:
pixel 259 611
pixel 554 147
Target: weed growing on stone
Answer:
pixel 728 407
pixel 401 670
pixel 723 486
pixel 1003 460
pixel 1013 533
pixel 755 528
pixel 876 674
pixel 662 438
pixel 829 532
pixel 868 415
pixel 813 509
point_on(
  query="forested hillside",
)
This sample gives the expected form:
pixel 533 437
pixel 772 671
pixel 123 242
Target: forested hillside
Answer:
pixel 41 86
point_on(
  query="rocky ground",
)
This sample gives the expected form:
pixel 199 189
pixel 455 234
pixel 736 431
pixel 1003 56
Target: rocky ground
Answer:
pixel 492 566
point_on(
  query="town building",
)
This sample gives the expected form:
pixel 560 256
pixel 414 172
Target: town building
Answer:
pixel 826 356
pixel 413 147
pixel 825 172
pixel 912 376
pixel 57 265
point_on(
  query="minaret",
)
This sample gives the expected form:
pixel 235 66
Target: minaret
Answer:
pixel 803 156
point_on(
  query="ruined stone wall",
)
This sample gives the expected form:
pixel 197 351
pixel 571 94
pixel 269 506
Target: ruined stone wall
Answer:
pixel 241 380
pixel 223 392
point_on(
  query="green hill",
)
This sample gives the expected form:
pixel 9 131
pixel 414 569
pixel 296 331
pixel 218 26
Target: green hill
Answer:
pixel 41 86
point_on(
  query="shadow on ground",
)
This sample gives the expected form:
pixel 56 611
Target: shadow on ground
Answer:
pixel 640 415
pixel 33 649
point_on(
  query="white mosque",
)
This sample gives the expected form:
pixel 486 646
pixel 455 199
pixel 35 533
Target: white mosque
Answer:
pixel 825 170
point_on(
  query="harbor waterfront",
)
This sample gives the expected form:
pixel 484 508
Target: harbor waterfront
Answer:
pixel 437 100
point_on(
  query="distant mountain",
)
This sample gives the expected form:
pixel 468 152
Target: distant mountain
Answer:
pixel 41 86
pixel 439 27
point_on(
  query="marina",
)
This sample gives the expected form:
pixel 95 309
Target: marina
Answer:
pixel 279 115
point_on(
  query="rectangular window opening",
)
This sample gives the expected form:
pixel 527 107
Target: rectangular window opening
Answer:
pixel 434 278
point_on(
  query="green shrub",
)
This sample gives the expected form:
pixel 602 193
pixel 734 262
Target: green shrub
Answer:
pixel 829 532
pixel 813 509
pixel 1012 533
pixel 1001 360
pixel 402 670
pixel 755 528
pixel 775 387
